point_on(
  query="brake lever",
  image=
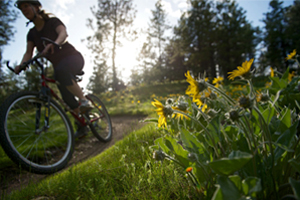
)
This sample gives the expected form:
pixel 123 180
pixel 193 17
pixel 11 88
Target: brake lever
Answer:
pixel 10 68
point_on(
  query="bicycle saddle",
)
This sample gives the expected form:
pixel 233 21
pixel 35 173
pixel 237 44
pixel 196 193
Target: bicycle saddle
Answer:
pixel 78 78
pixel 80 73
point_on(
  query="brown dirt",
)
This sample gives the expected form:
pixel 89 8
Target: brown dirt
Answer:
pixel 85 148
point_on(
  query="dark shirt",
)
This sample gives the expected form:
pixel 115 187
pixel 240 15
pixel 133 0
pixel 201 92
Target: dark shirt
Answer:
pixel 49 31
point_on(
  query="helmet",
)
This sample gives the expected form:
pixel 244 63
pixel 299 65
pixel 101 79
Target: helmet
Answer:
pixel 33 2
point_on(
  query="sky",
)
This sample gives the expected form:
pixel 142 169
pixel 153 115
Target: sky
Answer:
pixel 74 14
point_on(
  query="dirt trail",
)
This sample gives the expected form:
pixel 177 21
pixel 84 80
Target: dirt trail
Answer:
pixel 14 179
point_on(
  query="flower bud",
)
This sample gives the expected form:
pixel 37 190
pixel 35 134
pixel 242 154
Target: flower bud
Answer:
pixel 212 113
pixel 168 110
pixel 201 85
pixel 233 115
pixel 213 96
pixel 264 97
pixel 181 105
pixel 159 155
pixel 169 101
pixel 245 102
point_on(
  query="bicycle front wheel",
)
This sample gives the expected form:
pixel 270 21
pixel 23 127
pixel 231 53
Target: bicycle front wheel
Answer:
pixel 100 120
pixel 28 140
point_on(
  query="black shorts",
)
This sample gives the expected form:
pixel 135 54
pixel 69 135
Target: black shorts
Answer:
pixel 64 72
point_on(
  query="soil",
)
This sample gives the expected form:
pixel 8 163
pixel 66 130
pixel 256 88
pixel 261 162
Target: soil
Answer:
pixel 14 179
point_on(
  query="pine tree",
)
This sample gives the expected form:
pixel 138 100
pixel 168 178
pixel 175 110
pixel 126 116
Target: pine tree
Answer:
pixel 293 26
pixel 235 37
pixel 112 19
pixel 7 17
pixel 152 56
pixel 275 39
pixel 196 32
pixel 99 81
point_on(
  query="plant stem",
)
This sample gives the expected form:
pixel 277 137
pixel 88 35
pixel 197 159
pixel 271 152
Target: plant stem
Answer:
pixel 229 99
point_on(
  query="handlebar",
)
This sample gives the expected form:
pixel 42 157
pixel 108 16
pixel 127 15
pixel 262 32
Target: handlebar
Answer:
pixel 25 64
pixel 39 55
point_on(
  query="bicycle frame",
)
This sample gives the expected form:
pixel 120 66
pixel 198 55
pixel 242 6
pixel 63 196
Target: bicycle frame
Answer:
pixel 47 92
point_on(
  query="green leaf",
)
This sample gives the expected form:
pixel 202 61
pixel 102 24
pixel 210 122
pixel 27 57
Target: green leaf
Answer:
pixel 278 83
pixel 199 173
pixel 237 181
pixel 285 139
pixel 154 120
pixel 191 143
pixel 251 185
pixel 296 187
pixel 180 154
pixel 228 188
pixel 285 76
pixel 286 119
pixel 231 132
pixel 218 194
pixel 235 161
pixel 268 113
pixel 214 130
pixel 161 143
pixel 295 163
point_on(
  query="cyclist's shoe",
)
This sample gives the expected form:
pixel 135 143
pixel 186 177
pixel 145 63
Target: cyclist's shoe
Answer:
pixel 81 132
pixel 85 106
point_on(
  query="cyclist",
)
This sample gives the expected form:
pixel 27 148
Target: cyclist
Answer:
pixel 67 61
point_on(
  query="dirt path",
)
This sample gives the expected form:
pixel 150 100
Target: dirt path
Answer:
pixel 14 179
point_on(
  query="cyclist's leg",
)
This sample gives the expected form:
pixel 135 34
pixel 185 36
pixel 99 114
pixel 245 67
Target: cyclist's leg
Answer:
pixel 65 73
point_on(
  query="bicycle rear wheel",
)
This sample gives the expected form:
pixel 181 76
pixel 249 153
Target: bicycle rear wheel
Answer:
pixel 100 120
pixel 27 140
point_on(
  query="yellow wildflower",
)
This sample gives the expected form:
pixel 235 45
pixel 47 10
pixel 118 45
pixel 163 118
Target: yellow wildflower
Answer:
pixel 291 55
pixel 272 72
pixel 218 81
pixel 163 112
pixel 195 87
pixel 241 71
pixel 291 76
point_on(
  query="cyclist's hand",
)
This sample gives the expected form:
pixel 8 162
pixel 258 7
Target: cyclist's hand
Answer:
pixel 48 49
pixel 17 69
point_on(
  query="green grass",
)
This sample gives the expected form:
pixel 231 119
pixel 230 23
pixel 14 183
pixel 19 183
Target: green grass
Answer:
pixel 124 171
pixel 137 100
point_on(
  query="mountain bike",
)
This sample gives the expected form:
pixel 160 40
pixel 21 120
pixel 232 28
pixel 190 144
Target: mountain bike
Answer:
pixel 35 129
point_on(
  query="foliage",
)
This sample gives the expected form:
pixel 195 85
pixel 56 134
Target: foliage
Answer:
pixel 112 17
pixel 275 38
pixel 7 17
pixel 214 33
pixel 152 56
pixel 293 22
pixel 235 149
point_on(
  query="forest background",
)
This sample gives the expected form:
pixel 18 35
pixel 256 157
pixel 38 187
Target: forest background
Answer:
pixel 210 36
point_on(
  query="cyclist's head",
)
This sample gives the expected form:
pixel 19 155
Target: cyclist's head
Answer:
pixel 33 2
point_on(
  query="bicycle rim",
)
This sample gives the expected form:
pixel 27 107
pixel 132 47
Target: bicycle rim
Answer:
pixel 100 120
pixel 38 148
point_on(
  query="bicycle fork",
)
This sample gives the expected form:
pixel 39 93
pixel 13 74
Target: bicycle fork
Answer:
pixel 46 126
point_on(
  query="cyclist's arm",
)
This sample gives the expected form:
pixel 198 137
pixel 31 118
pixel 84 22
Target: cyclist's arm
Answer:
pixel 26 56
pixel 62 35
pixel 61 39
